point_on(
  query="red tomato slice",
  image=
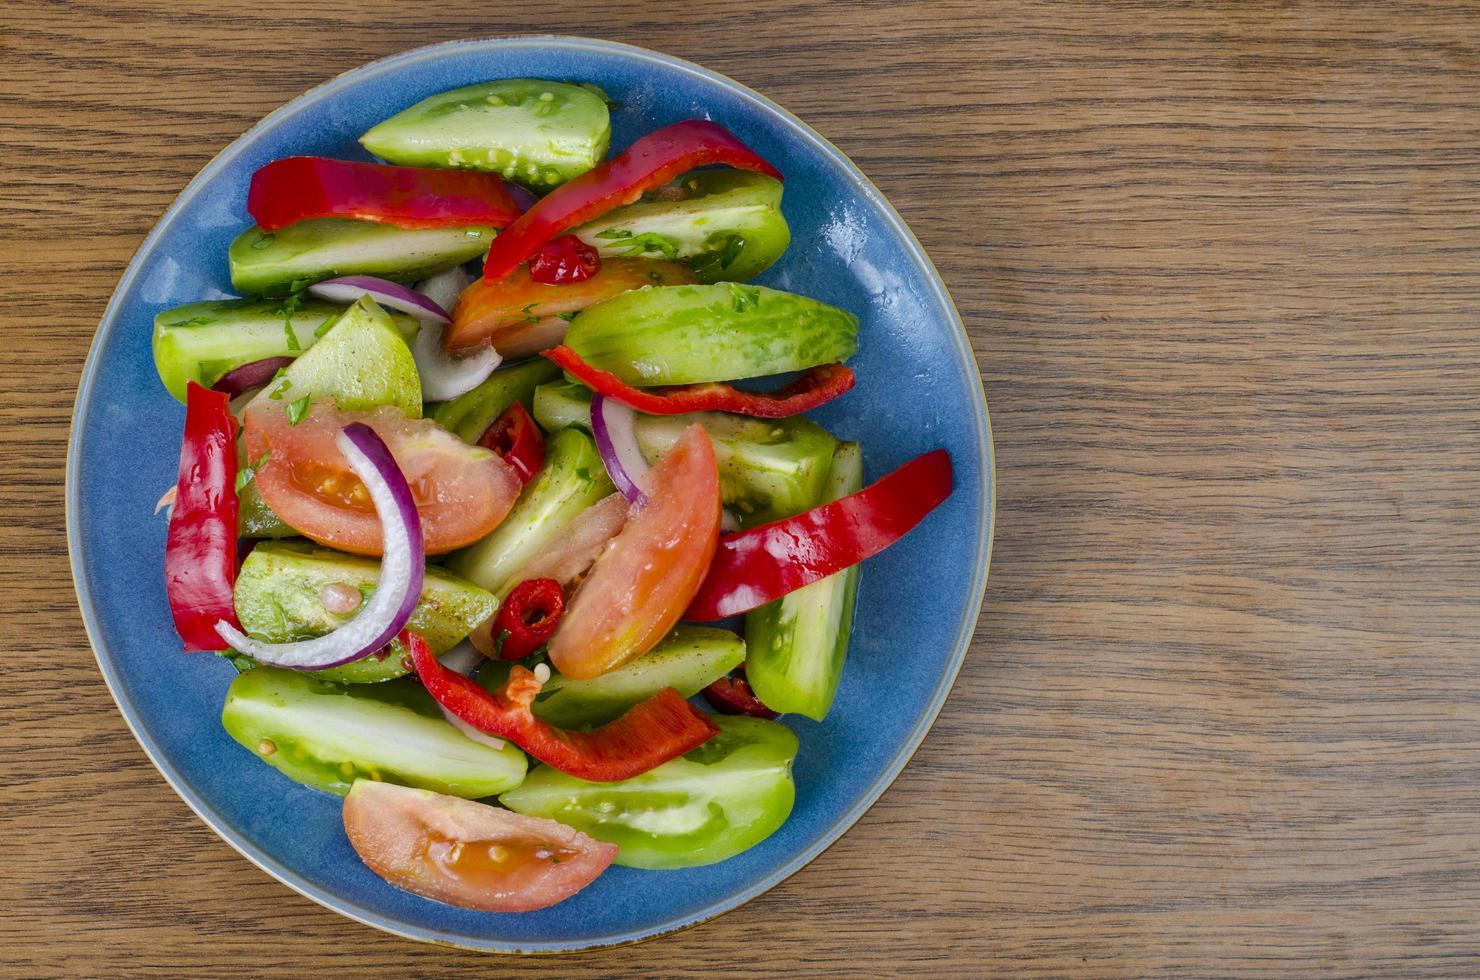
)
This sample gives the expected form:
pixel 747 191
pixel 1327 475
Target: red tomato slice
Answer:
pixel 643 582
pixel 469 854
pixel 522 317
pixel 462 492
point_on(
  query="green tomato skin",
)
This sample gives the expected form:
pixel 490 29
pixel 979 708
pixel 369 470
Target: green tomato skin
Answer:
pixel 470 414
pixel 689 659
pixel 728 226
pixel 797 644
pixel 768 468
pixel 279 262
pixel 536 133
pixel 722 798
pixel 362 362
pixel 672 335
pixel 572 479
pixel 279 598
pixel 326 735
pixel 203 341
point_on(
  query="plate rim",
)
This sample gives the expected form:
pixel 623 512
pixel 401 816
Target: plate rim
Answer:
pixel 289 876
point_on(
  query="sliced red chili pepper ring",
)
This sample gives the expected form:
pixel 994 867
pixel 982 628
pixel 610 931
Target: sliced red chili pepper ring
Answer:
pixel 650 162
pixel 564 260
pixel 295 189
pixel 663 727
pixel 754 567
pixel 732 695
pixel 528 617
pixel 817 386
pixel 515 437
pixel 200 547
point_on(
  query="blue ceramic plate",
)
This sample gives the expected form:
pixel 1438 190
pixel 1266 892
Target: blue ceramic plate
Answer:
pixel 918 389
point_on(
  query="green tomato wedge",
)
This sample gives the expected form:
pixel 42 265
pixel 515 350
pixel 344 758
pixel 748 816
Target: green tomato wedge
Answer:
pixel 470 414
pixel 689 659
pixel 203 341
pixel 325 735
pixel 536 133
pixel 572 479
pixel 768 468
pixel 279 597
pixel 727 795
pixel 797 644
pixel 674 335
pixel 362 362
pixel 286 260
pixel 724 224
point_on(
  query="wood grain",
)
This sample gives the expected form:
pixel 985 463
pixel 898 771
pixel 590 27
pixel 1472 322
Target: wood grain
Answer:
pixel 1221 267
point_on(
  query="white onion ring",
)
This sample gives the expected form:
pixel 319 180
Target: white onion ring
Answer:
pixel 445 287
pixel 444 376
pixel 616 442
pixel 347 289
pixel 402 569
pixel 464 659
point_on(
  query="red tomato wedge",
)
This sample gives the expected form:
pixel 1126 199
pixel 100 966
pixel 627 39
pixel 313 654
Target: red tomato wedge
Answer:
pixel 522 317
pixel 469 854
pixel 462 492
pixel 641 584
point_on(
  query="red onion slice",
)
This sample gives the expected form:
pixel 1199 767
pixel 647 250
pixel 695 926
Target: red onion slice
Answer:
pixel 253 374
pixel 347 289
pixel 616 441
pixel 443 376
pixel 402 569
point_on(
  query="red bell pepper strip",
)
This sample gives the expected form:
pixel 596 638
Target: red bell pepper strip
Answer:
pixel 564 260
pixel 732 695
pixel 298 188
pixel 528 617
pixel 817 387
pixel 651 162
pixel 663 727
pixel 515 437
pixel 754 567
pixel 200 547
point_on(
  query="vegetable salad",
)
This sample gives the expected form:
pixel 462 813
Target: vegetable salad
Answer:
pixel 468 495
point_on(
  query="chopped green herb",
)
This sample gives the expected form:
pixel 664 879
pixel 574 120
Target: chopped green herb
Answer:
pixel 195 321
pixel 323 328
pixel 286 309
pixel 529 317
pixel 648 241
pixel 279 388
pixel 246 473
pixel 567 317
pixel 296 410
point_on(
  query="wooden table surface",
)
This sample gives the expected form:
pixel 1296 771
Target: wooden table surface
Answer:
pixel 1221 268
